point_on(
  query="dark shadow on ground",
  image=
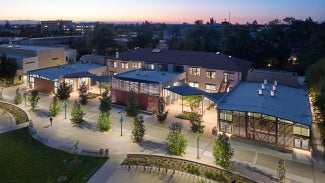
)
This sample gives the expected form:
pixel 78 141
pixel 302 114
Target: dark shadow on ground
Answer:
pixel 87 125
pixel 156 147
pixel 42 113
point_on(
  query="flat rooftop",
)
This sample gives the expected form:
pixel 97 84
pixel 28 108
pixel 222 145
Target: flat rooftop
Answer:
pixel 288 103
pixel 147 76
pixel 62 70
pixel 26 47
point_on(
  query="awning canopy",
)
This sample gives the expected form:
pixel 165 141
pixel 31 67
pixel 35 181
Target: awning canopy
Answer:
pixel 89 75
pixel 184 89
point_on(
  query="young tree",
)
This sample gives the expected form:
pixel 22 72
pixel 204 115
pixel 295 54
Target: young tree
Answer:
pixel 196 122
pixel 83 94
pixel 64 91
pixel 77 114
pixel 161 113
pixel 176 141
pixel 222 151
pixel 132 105
pixel 104 123
pixel 33 99
pixel 18 97
pixel 105 102
pixel 55 107
pixel 194 101
pixel 281 170
pixel 139 130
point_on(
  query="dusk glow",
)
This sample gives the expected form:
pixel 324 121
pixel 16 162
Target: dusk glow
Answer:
pixel 241 11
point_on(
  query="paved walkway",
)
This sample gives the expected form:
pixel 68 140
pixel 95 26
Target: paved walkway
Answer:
pixel 253 161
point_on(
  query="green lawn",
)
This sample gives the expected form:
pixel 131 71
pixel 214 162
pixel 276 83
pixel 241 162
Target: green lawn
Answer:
pixel 23 159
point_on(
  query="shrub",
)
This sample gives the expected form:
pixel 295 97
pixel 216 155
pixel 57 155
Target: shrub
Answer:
pixel 77 114
pixel 104 122
pixel 18 97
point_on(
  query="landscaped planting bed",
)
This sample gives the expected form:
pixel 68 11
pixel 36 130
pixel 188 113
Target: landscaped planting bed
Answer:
pixel 177 164
pixel 23 159
pixel 19 114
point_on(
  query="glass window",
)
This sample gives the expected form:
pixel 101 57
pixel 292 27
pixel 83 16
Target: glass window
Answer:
pixel 125 65
pixel 149 66
pixel 195 71
pixel 113 64
pixel 193 84
pixel 210 88
pixel 211 74
pixel 137 65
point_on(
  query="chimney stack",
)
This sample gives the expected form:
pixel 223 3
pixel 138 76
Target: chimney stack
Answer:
pixel 117 54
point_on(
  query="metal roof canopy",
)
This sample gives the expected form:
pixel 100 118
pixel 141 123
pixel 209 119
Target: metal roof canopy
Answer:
pixel 89 75
pixel 184 89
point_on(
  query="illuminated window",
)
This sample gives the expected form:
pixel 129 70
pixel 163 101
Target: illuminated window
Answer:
pixel 210 74
pixel 195 71
pixel 149 66
pixel 210 88
pixel 125 65
pixel 193 84
pixel 113 64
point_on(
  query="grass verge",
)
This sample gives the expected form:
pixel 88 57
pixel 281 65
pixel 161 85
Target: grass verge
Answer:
pixel 23 159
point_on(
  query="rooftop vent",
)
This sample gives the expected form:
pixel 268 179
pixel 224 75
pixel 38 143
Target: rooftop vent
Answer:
pixel 275 82
pixel 274 87
pixel 218 53
pixel 163 73
pixel 272 93
pixel 137 72
pixel 265 81
pixel 229 56
pixel 117 55
pixel 156 51
pixel 145 73
pixel 263 86
pixel 260 92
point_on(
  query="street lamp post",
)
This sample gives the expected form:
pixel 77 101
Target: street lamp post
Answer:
pixel 198 145
pixel 65 105
pixel 122 118
pixel 25 96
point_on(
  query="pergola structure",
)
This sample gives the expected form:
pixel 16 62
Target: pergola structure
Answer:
pixel 184 89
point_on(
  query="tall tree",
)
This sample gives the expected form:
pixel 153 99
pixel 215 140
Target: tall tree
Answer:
pixel 8 69
pixel 83 90
pixel 33 99
pixel 176 141
pixel 196 122
pixel 18 97
pixel 63 92
pixel 222 151
pixel 102 39
pixel 77 113
pixel 138 130
pixel 104 122
pixel 131 105
pixel 161 113
pixel 105 102
pixel 55 107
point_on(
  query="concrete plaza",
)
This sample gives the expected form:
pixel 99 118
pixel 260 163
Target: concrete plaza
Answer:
pixel 254 161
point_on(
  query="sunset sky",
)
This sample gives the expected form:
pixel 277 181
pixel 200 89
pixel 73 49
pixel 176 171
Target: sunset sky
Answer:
pixel 241 11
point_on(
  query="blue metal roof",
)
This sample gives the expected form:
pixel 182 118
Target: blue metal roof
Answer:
pixel 55 72
pixel 288 103
pixel 148 76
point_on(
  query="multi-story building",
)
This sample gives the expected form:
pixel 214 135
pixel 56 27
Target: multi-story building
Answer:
pixel 63 26
pixel 210 72
pixel 36 57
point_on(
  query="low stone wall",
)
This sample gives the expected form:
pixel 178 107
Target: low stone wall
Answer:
pixel 20 114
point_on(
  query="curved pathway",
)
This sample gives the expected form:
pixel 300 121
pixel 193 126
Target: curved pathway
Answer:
pixel 300 167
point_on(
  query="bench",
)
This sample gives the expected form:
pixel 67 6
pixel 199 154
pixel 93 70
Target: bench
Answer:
pixel 42 139
pixel 65 148
pixel 91 152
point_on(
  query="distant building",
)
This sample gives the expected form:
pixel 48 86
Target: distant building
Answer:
pixel 36 57
pixel 62 26
pixel 84 27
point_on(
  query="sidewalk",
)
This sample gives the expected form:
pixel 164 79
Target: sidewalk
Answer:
pixel 253 161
